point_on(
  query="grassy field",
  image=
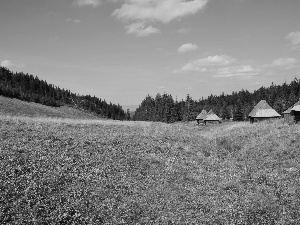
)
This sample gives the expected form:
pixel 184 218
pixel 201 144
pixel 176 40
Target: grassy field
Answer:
pixel 64 171
pixel 15 107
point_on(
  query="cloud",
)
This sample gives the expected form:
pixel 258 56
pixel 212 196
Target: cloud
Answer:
pixel 244 71
pixel 207 64
pixel 77 21
pixel 294 37
pixel 221 66
pixel 162 87
pixel 201 65
pixel 141 30
pixel 158 10
pixel 184 30
pixel 6 63
pixel 154 11
pixel 192 67
pixel 73 21
pixel 286 63
pixel 93 3
pixel 217 60
pixel 189 47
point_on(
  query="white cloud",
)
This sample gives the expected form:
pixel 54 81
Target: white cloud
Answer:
pixel 184 30
pixel 6 63
pixel 286 63
pixel 148 12
pixel 73 21
pixel 77 21
pixel 93 3
pixel 244 71
pixel 158 10
pixel 207 64
pixel 217 60
pixel 201 65
pixel 222 66
pixel 141 30
pixel 189 47
pixel 162 87
pixel 294 37
pixel 192 67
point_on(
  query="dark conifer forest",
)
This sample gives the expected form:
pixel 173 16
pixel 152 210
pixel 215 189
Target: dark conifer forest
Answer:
pixel 29 88
pixel 237 105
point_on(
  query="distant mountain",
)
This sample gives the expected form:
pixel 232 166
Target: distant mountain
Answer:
pixel 131 108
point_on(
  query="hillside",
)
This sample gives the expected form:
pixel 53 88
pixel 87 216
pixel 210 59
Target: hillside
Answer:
pixel 31 89
pixel 113 172
pixel 16 107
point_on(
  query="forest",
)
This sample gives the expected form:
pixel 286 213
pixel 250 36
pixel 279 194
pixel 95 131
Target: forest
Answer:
pixel 237 105
pixel 29 88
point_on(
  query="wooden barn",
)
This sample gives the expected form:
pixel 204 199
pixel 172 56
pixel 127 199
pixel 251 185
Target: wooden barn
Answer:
pixel 291 117
pixel 201 116
pixel 212 117
pixel 262 111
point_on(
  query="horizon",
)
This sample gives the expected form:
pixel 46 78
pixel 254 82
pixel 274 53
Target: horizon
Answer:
pixel 123 50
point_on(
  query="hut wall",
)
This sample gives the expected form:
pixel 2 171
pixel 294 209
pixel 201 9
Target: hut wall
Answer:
pixel 297 117
pixel 199 121
pixel 288 118
pixel 212 121
pixel 260 119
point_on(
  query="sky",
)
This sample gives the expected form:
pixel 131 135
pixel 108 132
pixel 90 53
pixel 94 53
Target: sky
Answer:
pixel 123 50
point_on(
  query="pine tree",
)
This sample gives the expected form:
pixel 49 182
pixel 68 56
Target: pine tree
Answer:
pixel 238 114
pixel 128 115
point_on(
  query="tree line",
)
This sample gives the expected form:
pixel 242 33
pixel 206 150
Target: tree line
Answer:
pixel 238 105
pixel 29 88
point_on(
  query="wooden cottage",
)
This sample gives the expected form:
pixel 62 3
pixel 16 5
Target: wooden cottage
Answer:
pixel 212 117
pixel 201 116
pixel 262 111
pixel 291 117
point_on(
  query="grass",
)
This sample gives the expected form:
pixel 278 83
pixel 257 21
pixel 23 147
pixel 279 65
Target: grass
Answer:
pixel 64 171
pixel 16 107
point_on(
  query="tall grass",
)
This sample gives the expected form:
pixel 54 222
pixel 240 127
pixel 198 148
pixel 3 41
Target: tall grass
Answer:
pixel 62 171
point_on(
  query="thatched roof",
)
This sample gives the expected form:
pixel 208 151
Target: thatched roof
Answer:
pixel 262 109
pixel 288 111
pixel 202 115
pixel 210 112
pixel 212 117
pixel 267 113
pixel 296 108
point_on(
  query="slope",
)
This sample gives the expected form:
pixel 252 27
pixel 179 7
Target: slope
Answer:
pixel 15 107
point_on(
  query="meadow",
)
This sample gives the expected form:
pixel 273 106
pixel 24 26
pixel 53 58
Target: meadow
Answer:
pixel 16 107
pixel 79 171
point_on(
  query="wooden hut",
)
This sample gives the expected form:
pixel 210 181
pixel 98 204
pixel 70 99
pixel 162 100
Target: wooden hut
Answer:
pixel 201 116
pixel 262 111
pixel 289 116
pixel 295 112
pixel 212 117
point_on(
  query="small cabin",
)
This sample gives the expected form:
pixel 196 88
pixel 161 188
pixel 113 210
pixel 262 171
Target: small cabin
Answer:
pixel 212 117
pixel 292 117
pixel 201 116
pixel 295 112
pixel 262 111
